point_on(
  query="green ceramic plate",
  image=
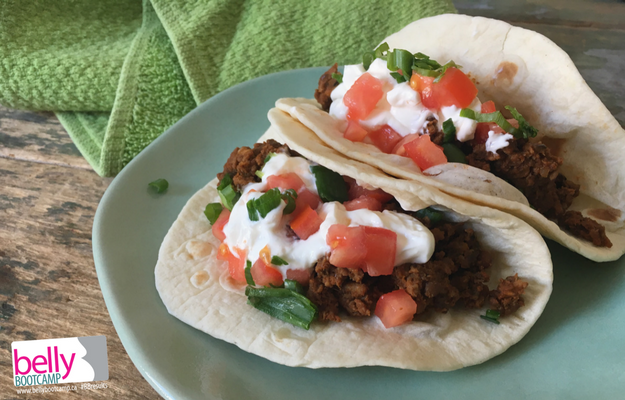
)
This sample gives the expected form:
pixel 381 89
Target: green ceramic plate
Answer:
pixel 575 351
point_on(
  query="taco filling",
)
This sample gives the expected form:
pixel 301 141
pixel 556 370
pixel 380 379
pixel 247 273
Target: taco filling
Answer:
pixel 410 105
pixel 311 243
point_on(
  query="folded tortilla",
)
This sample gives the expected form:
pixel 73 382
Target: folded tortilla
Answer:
pixel 196 287
pixel 521 68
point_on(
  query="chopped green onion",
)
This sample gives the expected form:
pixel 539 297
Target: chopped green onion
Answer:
pixel 251 210
pixel 248 273
pixel 284 304
pixel 527 130
pixel 259 174
pixel 370 56
pixel 381 49
pixel 330 185
pixel 275 260
pixel 496 117
pixel 267 202
pixel 289 197
pixel 160 185
pixel 269 157
pixel 491 316
pixel 338 77
pixel 229 196
pixel 449 130
pixel 402 60
pixel 432 214
pixel 453 153
pixel 426 72
pixel 444 69
pixel 294 286
pixel 212 212
pixel 367 59
pixel 398 77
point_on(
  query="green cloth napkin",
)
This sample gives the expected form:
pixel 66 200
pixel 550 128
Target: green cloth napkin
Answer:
pixel 120 72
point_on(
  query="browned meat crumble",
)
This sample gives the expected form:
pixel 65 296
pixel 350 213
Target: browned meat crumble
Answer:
pixel 326 86
pixel 244 162
pixel 531 168
pixel 455 275
pixel 507 297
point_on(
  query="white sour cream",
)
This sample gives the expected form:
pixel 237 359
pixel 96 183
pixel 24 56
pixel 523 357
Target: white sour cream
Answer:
pixel 497 141
pixel 415 243
pixel 400 107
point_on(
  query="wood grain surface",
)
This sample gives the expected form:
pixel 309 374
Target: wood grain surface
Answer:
pixel 49 194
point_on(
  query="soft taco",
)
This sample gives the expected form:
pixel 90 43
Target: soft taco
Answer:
pixel 491 113
pixel 307 258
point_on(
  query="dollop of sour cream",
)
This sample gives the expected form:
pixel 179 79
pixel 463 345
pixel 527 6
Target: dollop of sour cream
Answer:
pixel 400 107
pixel 415 243
pixel 497 141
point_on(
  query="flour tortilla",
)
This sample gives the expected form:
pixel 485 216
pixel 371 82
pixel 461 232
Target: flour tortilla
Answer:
pixel 518 67
pixel 195 286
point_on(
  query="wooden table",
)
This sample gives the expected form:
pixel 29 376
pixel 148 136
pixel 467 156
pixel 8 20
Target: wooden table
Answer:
pixel 49 194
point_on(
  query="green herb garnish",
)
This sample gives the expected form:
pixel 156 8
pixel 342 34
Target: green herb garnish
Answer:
pixel 527 130
pixel 160 185
pixel 294 286
pixel 454 154
pixel 432 214
pixel 403 60
pixel 212 212
pixel 248 273
pixel 289 197
pixel 267 202
pixel 275 260
pixel 284 304
pixel 251 210
pixel 269 157
pixel 491 316
pixel 450 131
pixel 337 76
pixel 379 52
pixel 524 131
pixel 330 185
pixel 228 194
pixel 259 174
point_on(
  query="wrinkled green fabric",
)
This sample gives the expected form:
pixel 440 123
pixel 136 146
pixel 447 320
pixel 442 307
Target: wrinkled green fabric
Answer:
pixel 118 72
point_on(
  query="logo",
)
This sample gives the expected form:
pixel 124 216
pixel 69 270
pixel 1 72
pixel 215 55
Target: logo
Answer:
pixel 52 361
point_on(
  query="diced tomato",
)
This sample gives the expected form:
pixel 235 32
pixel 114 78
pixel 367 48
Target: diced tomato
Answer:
pixel 425 153
pixel 265 275
pixel 395 308
pixel 300 275
pixel 286 181
pixel 454 89
pixel 236 261
pixel 363 96
pixel 218 226
pixel 355 132
pixel 384 138
pixel 348 246
pixel 488 107
pixel 355 191
pixel 423 85
pixel 306 198
pixel 363 202
pixel 399 148
pixel 381 246
pixel 306 223
pixel 368 248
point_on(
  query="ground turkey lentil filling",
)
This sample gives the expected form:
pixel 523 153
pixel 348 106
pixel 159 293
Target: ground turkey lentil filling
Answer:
pixel 456 274
pixel 528 166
